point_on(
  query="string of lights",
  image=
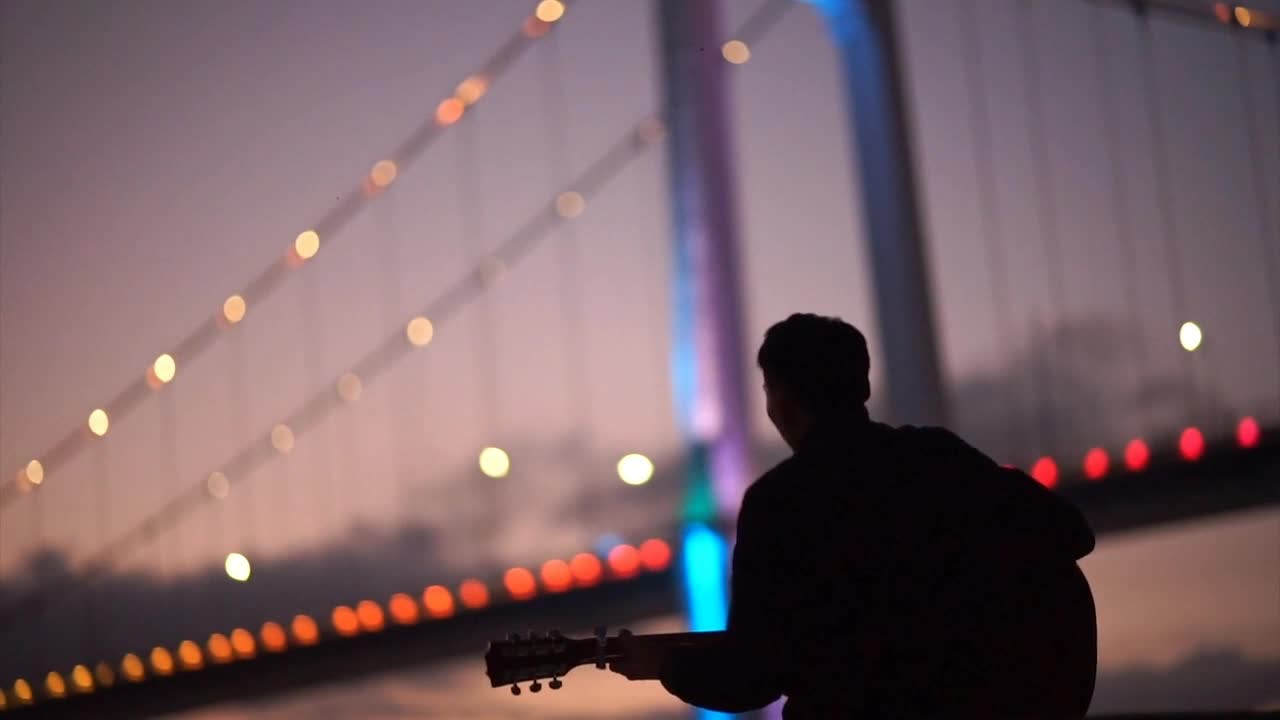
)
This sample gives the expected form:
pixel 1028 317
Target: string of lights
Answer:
pixel 304 247
pixel 1224 15
pixel 418 332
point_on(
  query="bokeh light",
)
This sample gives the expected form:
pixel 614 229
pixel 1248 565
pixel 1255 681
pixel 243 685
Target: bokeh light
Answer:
pixel 282 438
pixel 520 583
pixel 404 611
pixel 1045 471
pixel 104 674
pixel 1190 336
pixel 1243 16
pixel 243 644
pixel 55 684
pixel 34 472
pixel 22 690
pixel 164 368
pixel 189 655
pixel 549 11
pixel 736 52
pixel 1191 443
pixel 233 309
pixel 1248 433
pixel 473 593
pixel 273 637
pixel 219 648
pixel 449 111
pixel 586 569
pixel 635 469
pixel 132 669
pixel 439 601
pixel 370 616
pixel 1136 455
pixel 470 91
pixel 81 678
pixel 556 576
pixel 237 566
pixel 307 244
pixel 344 621
pixel 1096 464
pixel 99 422
pixel 570 204
pixel 161 661
pixel 419 331
pixel 494 462
pixel 624 561
pixel 350 387
pixel 218 485
pixel 383 173
pixel 655 555
pixel 304 630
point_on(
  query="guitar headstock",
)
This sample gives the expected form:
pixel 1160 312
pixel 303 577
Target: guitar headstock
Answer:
pixel 536 656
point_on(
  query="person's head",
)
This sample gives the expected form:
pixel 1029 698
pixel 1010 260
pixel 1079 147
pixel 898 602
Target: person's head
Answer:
pixel 815 372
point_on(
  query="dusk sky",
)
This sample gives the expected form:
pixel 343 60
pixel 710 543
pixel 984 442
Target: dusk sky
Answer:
pixel 155 156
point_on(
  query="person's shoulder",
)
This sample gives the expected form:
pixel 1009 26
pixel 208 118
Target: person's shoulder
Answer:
pixel 939 444
pixel 774 482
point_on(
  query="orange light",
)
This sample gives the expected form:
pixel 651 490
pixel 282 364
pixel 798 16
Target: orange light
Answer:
pixel 233 309
pixel 1045 471
pixel 1136 455
pixel 1248 433
pixel 624 561
pixel 132 668
pixel 383 173
pixel 549 11
pixel 449 111
pixel 304 630
pixel 243 644
pixel 82 679
pixel 474 594
pixel 104 674
pixel 306 245
pixel 56 686
pixel 1096 464
pixel 22 690
pixel 404 610
pixel 369 613
pixel 586 569
pixel 344 621
pixel 1191 444
pixel 556 576
pixel 655 555
pixel 1243 16
pixel 470 91
pixel 161 661
pixel 273 637
pixel 219 648
pixel 189 655
pixel 439 600
pixel 520 583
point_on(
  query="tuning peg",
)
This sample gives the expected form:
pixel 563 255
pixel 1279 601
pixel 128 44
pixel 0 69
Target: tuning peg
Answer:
pixel 515 689
pixel 535 686
pixel 555 684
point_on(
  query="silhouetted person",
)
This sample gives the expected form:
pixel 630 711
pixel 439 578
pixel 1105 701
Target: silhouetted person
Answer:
pixel 887 572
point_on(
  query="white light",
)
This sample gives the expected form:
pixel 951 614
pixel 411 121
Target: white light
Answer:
pixel 237 567
pixel 635 469
pixel 1190 336
pixel 494 462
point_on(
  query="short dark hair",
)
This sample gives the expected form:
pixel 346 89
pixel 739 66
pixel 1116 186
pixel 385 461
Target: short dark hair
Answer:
pixel 822 361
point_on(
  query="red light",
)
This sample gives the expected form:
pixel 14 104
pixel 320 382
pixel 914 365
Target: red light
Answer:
pixel 624 561
pixel 556 576
pixel 1248 433
pixel 1045 471
pixel 1136 455
pixel 520 583
pixel 586 569
pixel 404 611
pixel 439 601
pixel 474 594
pixel 1096 464
pixel 1191 444
pixel 655 555
pixel 344 621
pixel 369 613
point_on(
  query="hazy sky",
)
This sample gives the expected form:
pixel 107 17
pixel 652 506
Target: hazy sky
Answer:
pixel 154 156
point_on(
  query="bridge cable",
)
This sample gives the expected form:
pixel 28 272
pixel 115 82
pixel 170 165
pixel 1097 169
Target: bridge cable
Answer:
pixel 1120 215
pixel 578 393
pixel 323 464
pixel 1267 236
pixel 990 224
pixel 1042 180
pixel 1164 198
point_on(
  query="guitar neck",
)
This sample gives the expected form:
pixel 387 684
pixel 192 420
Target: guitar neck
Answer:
pixel 686 639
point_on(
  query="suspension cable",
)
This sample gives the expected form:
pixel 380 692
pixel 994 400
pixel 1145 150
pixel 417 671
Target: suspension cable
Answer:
pixel 989 215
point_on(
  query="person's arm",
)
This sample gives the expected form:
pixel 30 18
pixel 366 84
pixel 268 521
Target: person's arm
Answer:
pixel 743 670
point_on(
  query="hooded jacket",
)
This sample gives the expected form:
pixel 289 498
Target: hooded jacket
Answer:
pixel 899 572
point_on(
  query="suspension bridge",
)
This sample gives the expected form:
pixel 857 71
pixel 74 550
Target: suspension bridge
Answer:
pixel 483 389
